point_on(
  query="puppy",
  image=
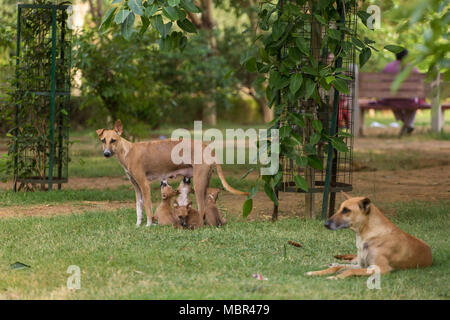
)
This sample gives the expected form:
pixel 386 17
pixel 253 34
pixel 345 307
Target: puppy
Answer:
pixel 212 215
pixel 187 216
pixel 184 189
pixel 378 241
pixel 164 212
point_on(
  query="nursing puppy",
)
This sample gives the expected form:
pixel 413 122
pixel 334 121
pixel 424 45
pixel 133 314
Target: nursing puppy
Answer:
pixel 379 242
pixel 164 212
pixel 212 214
pixel 184 189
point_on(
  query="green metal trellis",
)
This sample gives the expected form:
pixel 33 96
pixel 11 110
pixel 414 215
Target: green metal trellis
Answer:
pixel 337 166
pixel 42 96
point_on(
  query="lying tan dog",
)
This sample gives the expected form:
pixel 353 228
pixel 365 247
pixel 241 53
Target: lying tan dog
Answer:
pixel 164 212
pixel 151 160
pixel 212 214
pixel 378 240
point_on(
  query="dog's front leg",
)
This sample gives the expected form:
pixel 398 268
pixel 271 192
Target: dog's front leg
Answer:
pixel 139 201
pixel 330 270
pixel 146 197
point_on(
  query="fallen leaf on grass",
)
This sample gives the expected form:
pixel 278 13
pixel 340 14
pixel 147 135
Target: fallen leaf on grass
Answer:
pixel 19 265
pixel 295 244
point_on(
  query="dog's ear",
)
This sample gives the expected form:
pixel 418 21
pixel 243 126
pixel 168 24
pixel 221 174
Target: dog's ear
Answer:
pixel 346 196
pixel 118 127
pixel 364 204
pixel 175 204
pixel 189 205
pixel 100 132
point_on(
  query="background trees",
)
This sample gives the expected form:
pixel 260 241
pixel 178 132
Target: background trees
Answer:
pixel 138 78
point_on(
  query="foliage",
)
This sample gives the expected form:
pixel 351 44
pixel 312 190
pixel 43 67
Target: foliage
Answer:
pixel 299 75
pixel 137 82
pixel 421 26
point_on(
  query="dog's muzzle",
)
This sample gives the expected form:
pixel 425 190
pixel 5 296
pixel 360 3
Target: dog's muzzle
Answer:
pixel 107 153
pixel 332 225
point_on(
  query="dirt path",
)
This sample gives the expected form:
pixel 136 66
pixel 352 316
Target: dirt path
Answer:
pixel 62 208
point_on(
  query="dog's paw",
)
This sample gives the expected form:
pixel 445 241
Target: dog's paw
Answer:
pixel 332 278
pixel 310 273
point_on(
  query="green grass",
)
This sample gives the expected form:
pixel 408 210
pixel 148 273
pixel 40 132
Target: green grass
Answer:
pixel 394 161
pixel 120 261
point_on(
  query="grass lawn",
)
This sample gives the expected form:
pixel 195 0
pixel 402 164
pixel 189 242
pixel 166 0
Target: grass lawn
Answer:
pixel 118 260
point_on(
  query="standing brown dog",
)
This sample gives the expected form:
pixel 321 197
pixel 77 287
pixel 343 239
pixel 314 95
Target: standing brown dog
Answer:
pixel 378 240
pixel 212 214
pixel 152 160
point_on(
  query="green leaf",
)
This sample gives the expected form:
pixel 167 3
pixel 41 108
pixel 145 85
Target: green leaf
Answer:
pixel 320 18
pixel 302 161
pixel 301 44
pixel 247 207
pixel 341 86
pixel 188 5
pixel 107 20
pixel 339 145
pixel 188 26
pixel 270 193
pixel 301 183
pixel 335 34
pixel 173 3
pixel 145 23
pixel 295 82
pixel 364 56
pixel 317 125
pixel 247 173
pixel 363 15
pixel 136 7
pixel 310 85
pixel 151 10
pixel 162 28
pixel 315 138
pixel 285 131
pixel 329 79
pixel 121 16
pixel 394 49
pixel 170 13
pixel 250 65
pixel 314 162
pixel 298 120
pixel 127 26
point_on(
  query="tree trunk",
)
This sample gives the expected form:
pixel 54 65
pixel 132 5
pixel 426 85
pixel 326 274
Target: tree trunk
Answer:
pixel 207 23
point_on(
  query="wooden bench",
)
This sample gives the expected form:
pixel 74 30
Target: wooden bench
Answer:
pixel 373 86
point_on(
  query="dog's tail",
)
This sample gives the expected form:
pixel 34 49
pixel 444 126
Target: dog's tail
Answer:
pixel 226 185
